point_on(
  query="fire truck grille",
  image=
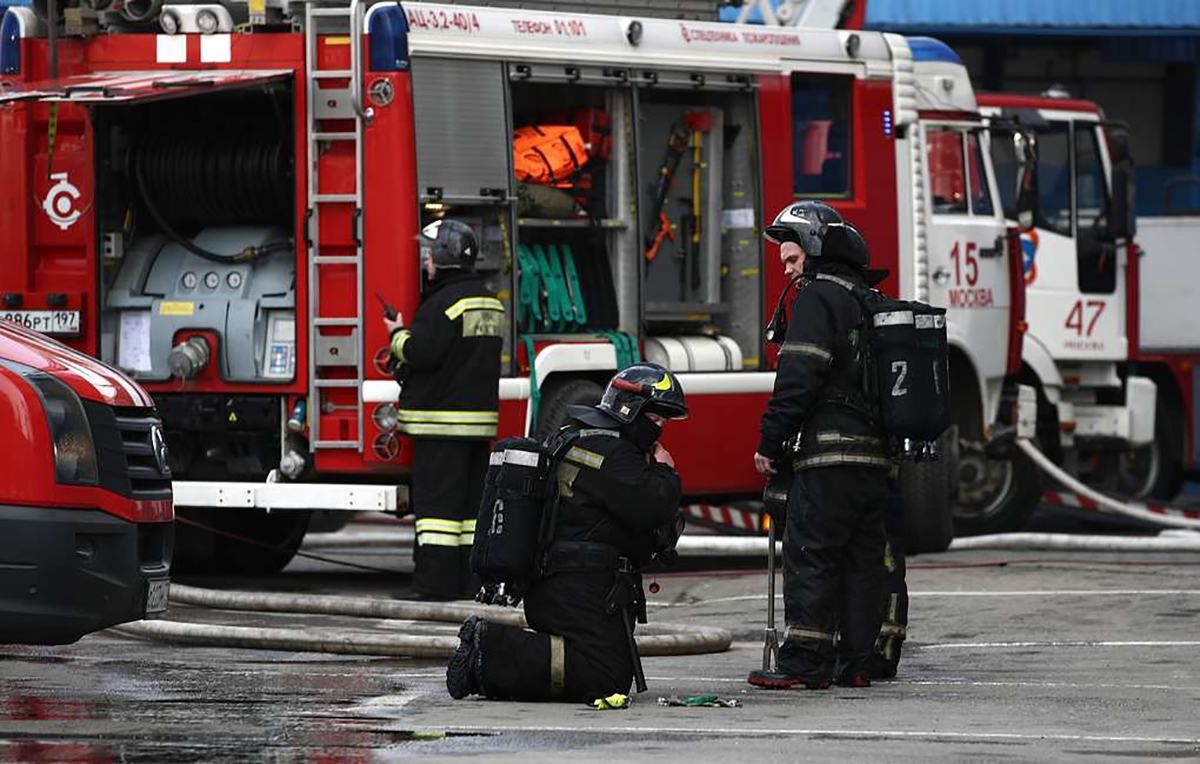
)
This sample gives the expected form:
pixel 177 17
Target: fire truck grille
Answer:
pixel 131 450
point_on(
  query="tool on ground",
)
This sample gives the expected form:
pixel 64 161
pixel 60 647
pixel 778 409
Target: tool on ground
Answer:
pixel 613 702
pixel 677 144
pixel 700 701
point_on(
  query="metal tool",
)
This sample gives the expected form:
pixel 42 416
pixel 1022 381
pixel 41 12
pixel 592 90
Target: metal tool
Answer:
pixel 770 635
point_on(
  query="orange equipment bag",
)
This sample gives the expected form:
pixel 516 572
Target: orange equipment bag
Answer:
pixel 594 125
pixel 548 154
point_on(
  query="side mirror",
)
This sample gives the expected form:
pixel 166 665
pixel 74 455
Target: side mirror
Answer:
pixel 1025 151
pixel 1122 223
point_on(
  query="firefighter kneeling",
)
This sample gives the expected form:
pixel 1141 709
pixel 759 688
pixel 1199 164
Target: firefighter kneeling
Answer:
pixel 611 504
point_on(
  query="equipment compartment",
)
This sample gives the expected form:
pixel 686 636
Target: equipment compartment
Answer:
pixel 699 196
pixel 576 243
pixel 196 220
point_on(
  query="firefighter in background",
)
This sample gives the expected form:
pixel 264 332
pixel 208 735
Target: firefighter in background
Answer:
pixel 448 365
pixel 834 537
pixel 618 506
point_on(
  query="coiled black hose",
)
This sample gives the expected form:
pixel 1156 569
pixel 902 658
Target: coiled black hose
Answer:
pixel 211 181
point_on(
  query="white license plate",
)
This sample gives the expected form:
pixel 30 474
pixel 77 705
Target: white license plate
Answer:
pixel 157 591
pixel 45 321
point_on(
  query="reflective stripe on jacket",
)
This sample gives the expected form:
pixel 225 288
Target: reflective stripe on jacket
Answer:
pixel 448 360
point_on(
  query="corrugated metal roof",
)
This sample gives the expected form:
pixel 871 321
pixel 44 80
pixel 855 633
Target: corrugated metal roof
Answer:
pixel 1036 16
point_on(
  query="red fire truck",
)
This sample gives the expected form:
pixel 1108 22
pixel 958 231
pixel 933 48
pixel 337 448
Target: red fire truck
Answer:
pixel 1109 348
pixel 85 495
pixel 212 203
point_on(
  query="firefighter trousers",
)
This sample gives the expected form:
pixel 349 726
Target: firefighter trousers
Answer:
pixel 447 483
pixel 575 651
pixel 833 552
pixel 895 599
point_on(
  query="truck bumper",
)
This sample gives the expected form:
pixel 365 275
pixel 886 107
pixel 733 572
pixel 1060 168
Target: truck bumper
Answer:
pixel 65 573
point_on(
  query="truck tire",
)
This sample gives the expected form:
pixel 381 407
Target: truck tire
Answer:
pixel 265 543
pixel 571 392
pixel 926 488
pixel 1013 489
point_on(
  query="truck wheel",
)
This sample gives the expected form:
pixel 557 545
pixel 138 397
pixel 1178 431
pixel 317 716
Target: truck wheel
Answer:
pixel 926 488
pixel 270 541
pixel 994 495
pixel 573 392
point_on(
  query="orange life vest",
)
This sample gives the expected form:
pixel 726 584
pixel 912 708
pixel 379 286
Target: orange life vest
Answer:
pixel 548 154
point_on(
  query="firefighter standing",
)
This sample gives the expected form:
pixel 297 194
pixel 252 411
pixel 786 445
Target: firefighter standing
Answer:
pixel 448 365
pixel 618 504
pixel 834 537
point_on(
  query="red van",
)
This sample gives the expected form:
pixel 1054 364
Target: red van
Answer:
pixel 86 517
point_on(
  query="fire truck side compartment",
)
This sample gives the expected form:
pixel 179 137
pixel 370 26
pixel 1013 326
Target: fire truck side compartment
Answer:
pixel 719 289
pixel 216 170
pixel 602 236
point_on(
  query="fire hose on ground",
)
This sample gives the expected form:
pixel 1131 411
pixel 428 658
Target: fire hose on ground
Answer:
pixel 1122 508
pixel 659 639
pixel 1171 541
pixel 662 639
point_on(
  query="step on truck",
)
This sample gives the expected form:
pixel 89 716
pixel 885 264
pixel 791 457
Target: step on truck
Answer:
pixel 211 197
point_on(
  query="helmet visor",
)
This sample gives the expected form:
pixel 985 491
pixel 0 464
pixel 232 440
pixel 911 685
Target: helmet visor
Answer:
pixel 808 239
pixel 667 410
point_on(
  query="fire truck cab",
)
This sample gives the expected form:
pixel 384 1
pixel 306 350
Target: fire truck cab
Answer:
pixel 85 495
pixel 1111 412
pixel 966 257
pixel 216 210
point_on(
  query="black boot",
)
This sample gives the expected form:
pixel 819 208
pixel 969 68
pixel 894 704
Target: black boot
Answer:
pixel 881 668
pixel 854 680
pixel 465 672
pixel 777 680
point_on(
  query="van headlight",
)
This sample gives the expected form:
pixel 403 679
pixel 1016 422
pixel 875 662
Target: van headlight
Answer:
pixel 74 450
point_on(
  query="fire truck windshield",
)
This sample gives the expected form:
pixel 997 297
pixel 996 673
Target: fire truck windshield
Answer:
pixel 1054 178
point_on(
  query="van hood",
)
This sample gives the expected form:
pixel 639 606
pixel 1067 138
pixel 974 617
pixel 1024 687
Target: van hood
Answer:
pixel 88 377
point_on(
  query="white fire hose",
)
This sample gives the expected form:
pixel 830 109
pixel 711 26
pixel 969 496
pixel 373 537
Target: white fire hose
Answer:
pixel 659 639
pixel 1121 508
pixel 662 639
pixel 1176 541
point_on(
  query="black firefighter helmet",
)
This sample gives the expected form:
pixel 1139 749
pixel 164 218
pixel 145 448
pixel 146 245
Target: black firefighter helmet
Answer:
pixel 450 244
pixel 821 231
pixel 640 389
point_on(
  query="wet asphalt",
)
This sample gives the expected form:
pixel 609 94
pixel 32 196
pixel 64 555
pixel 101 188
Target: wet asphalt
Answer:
pixel 1030 656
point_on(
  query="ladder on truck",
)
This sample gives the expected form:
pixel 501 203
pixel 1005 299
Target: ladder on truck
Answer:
pixel 330 347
